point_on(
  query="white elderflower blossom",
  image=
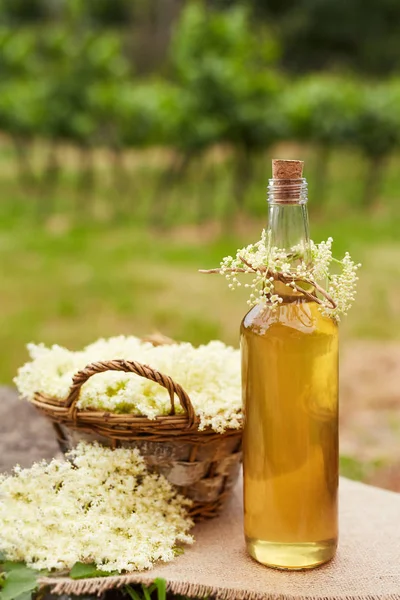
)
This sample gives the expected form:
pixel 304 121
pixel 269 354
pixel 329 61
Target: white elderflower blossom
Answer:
pixel 300 268
pixel 321 256
pixel 342 285
pixel 210 374
pixel 103 508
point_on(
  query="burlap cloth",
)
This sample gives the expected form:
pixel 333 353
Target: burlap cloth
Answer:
pixel 367 565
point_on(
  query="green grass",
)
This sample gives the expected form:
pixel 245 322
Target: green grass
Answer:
pixel 77 265
pixel 73 287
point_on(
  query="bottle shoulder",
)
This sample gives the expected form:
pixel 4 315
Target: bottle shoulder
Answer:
pixel 299 317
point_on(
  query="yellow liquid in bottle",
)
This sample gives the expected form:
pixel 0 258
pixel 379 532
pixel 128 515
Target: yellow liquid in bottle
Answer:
pixel 290 394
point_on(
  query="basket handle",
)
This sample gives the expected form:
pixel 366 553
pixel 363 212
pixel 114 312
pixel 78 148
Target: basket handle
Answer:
pixel 130 366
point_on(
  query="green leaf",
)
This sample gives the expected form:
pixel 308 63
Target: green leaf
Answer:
pixel 86 571
pixel 146 592
pixel 152 588
pixel 20 582
pixel 161 588
pixel 24 596
pixel 10 565
pixel 132 593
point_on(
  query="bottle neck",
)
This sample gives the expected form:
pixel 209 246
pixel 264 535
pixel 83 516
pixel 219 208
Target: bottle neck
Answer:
pixel 288 215
pixel 288 225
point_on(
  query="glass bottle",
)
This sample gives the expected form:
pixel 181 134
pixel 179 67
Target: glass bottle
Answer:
pixel 290 397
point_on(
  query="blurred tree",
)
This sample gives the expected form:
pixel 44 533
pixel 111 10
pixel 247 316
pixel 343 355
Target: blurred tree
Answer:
pixel 128 114
pixel 377 132
pixel 18 55
pixel 20 96
pixel 73 63
pixel 321 110
pixel 21 110
pixel 228 85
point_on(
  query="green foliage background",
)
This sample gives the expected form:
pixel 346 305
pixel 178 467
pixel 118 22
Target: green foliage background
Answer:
pixel 67 79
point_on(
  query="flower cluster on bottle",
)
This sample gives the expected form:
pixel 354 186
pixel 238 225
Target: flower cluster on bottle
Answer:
pixel 210 374
pixel 300 268
pixel 102 508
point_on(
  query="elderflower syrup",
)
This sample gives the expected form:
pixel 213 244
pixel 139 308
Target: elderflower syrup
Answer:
pixel 290 398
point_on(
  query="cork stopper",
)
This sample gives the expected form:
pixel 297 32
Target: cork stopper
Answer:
pixel 287 169
pixel 287 184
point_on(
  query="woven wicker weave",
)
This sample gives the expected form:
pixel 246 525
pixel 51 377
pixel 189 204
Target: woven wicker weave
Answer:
pixel 204 465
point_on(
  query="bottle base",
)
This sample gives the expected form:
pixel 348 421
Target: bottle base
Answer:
pixel 291 556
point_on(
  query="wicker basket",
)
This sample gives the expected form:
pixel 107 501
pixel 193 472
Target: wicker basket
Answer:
pixel 204 465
